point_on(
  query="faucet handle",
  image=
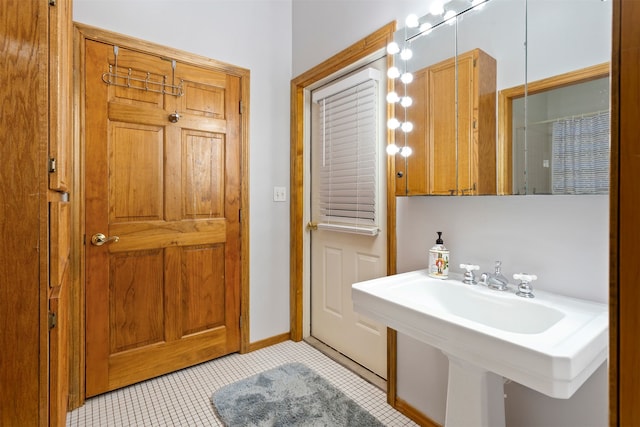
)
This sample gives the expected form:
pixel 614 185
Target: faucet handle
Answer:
pixel 525 277
pixel 524 287
pixel 469 277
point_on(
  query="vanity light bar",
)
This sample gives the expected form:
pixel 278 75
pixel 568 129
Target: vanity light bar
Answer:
pixel 440 12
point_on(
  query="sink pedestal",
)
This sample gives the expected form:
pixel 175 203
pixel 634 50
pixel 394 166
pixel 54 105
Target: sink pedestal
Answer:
pixel 475 396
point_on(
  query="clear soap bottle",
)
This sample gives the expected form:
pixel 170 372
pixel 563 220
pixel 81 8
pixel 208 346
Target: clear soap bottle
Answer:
pixel 439 259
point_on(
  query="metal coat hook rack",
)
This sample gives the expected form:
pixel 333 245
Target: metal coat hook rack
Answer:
pixel 128 80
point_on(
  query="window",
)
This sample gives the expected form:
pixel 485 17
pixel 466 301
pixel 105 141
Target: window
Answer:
pixel 348 184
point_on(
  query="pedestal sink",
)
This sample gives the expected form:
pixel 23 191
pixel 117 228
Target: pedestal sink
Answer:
pixel 550 343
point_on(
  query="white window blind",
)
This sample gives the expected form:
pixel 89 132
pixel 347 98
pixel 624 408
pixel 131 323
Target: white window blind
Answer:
pixel 348 173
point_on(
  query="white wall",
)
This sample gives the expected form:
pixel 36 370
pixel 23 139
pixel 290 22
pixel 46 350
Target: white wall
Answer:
pixel 563 239
pixel 254 34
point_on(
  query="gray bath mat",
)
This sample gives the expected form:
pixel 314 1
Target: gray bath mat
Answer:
pixel 289 395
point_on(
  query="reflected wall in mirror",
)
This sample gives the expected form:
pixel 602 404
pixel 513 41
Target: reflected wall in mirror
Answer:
pixel 561 144
pixel 531 41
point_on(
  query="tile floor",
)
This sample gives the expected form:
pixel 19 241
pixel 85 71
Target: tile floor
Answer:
pixel 183 398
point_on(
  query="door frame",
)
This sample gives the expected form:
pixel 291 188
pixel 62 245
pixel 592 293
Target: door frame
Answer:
pixel 82 33
pixel 299 215
pixel 624 217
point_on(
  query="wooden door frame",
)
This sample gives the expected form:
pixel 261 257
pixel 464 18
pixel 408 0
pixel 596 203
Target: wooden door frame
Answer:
pixel 371 44
pixel 624 222
pixel 82 33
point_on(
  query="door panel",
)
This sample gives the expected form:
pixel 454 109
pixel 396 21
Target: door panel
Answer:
pixel 166 293
pixel 340 259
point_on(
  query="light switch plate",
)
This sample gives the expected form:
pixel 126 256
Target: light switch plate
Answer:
pixel 279 194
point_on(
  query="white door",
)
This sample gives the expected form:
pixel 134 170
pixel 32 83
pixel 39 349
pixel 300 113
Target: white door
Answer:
pixel 340 254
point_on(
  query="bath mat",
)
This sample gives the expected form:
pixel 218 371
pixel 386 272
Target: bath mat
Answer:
pixel 289 395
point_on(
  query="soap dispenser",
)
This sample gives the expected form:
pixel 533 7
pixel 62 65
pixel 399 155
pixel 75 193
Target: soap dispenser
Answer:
pixel 439 259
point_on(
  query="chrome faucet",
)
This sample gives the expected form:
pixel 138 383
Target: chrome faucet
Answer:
pixel 495 280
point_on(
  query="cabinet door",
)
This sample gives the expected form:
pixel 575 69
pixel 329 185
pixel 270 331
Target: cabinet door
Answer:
pixel 441 128
pixel 60 94
pixel 59 352
pixel 59 257
pixel 467 126
pixel 411 172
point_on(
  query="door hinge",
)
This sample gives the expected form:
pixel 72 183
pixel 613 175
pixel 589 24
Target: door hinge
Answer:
pixel 240 107
pixel 474 62
pixel 52 165
pixel 53 320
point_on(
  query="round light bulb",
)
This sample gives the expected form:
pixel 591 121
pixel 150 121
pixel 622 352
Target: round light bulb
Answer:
pixel 393 48
pixel 392 98
pixel 407 127
pixel 412 21
pixel 449 16
pixel 393 123
pixel 393 73
pixel 425 28
pixel 478 4
pixel 406 101
pixel 406 54
pixel 406 151
pixel 392 149
pixel 406 78
pixel 437 8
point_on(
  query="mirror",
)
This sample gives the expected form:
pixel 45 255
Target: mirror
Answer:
pixel 565 146
pixel 531 41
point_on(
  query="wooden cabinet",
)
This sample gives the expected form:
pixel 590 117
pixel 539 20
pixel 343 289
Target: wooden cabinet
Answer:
pixel 34 215
pixel 454 135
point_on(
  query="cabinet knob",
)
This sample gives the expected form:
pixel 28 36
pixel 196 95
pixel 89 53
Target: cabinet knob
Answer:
pixel 399 174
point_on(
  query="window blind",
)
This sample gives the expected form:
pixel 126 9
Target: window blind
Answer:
pixel 348 173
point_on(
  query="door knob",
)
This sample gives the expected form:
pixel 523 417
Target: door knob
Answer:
pixel 100 239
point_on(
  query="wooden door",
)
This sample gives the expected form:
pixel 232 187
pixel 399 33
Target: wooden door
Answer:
pixel 162 173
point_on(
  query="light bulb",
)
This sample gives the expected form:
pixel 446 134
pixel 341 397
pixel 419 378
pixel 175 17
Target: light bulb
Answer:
pixel 392 149
pixel 437 8
pixel 406 78
pixel 393 73
pixel 407 127
pixel 449 15
pixel 425 28
pixel 412 21
pixel 406 101
pixel 406 151
pixel 478 4
pixel 393 48
pixel 392 98
pixel 393 123
pixel 406 54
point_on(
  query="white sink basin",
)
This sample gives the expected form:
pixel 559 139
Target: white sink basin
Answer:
pixel 550 343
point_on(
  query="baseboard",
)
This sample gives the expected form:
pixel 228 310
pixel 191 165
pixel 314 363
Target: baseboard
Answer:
pixel 410 412
pixel 267 342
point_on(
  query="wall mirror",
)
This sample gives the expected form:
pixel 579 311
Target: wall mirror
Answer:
pixel 551 96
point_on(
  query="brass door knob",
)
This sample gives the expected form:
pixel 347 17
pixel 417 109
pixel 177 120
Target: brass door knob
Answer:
pixel 100 239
